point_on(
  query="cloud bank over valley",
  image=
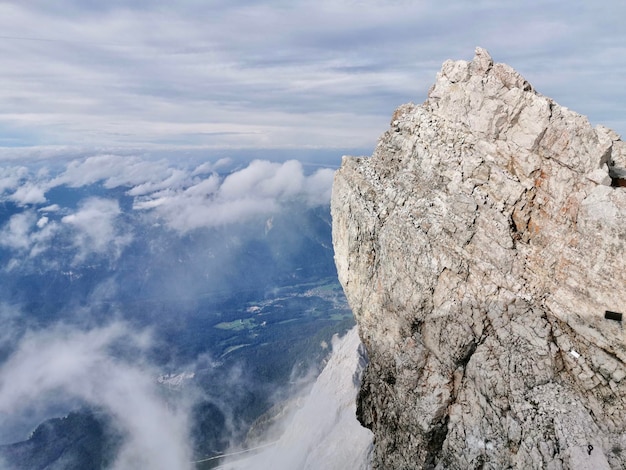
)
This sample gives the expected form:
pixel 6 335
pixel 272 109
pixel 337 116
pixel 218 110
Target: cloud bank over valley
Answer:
pixel 161 297
pixel 181 199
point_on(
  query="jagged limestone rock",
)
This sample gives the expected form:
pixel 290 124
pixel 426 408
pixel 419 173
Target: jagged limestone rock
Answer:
pixel 480 247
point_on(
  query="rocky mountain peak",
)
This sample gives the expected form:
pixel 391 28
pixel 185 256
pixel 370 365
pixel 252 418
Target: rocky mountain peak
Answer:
pixel 481 248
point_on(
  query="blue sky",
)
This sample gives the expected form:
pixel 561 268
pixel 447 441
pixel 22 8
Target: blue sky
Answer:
pixel 87 76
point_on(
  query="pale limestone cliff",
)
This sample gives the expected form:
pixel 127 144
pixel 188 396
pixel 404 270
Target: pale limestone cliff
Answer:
pixel 480 248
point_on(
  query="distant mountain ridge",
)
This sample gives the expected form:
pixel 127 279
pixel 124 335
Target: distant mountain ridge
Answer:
pixel 482 250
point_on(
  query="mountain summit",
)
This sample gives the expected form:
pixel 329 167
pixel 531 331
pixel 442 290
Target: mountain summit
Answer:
pixel 481 248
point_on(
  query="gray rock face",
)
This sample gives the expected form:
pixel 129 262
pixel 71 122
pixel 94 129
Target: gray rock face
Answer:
pixel 480 248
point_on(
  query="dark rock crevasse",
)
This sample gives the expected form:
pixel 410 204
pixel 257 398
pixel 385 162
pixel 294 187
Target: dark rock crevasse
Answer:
pixel 480 247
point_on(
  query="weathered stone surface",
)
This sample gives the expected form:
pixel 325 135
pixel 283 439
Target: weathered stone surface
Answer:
pixel 479 248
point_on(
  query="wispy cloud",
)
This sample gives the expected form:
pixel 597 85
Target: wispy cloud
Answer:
pixel 177 198
pixel 63 362
pixel 112 171
pixel 26 234
pixel 257 190
pixel 278 74
pixel 96 230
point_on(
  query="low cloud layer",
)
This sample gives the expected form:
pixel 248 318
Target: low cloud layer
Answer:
pixel 180 199
pixel 94 224
pixel 112 171
pixel 63 363
pixel 257 190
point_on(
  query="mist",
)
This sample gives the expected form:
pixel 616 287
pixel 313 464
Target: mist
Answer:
pixel 82 365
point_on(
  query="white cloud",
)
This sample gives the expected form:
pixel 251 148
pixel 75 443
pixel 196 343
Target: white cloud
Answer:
pixel 63 362
pixel 22 188
pixel 41 223
pixel 50 208
pixel 264 179
pixel 185 214
pixel 301 74
pixel 183 199
pixel 11 177
pixel 16 232
pixel 29 193
pixel 259 189
pixel 318 187
pixel 95 228
pixel 26 234
pixel 113 171
pixel 204 188
pixel 208 167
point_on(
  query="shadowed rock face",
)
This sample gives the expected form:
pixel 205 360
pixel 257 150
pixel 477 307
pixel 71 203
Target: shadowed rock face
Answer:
pixel 480 247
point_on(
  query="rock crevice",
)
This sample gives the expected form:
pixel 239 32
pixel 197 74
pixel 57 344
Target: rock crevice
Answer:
pixel 480 247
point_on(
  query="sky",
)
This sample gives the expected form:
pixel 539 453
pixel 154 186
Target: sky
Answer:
pixel 147 77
